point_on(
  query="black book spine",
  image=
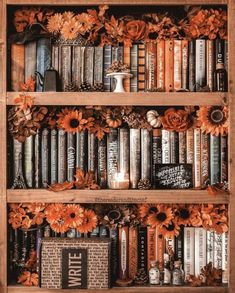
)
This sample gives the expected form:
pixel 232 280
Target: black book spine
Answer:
pixel 92 151
pixel 192 66
pixel 179 245
pixel 71 156
pixel 219 51
pixel 113 234
pixel 102 163
pixel 45 158
pixel 156 153
pixel 24 249
pixel 95 232
pixel 174 141
pixel 142 249
pixel 223 158
pixel 103 232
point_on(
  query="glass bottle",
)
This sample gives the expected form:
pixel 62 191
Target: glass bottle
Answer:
pixel 154 274
pixel 167 271
pixel 178 274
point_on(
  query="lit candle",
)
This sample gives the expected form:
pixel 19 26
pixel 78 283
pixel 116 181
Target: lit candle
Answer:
pixel 119 181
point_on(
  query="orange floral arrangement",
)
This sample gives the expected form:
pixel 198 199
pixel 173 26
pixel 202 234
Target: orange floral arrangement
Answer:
pixel 176 120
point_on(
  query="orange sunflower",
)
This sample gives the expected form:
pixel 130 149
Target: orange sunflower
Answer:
pixel 53 212
pixel 183 214
pixel 172 230
pixel 147 209
pixel 73 215
pixel 73 121
pixel 89 222
pixel 213 119
pixel 162 217
pixel 55 23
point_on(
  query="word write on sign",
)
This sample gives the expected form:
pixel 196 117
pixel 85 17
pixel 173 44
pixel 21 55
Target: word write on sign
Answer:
pixel 174 176
pixel 74 268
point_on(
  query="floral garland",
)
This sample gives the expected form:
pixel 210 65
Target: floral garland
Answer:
pixel 96 26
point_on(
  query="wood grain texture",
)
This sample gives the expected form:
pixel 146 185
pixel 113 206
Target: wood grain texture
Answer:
pixel 122 99
pixel 153 289
pixel 114 196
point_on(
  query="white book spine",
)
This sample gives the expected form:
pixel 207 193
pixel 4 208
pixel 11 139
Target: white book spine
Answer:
pixel 210 247
pixel 197 157
pixel 210 63
pixel 225 258
pixel 189 145
pixel 200 250
pixel 218 251
pixel 177 65
pixel 189 251
pixel 166 152
pixel 200 64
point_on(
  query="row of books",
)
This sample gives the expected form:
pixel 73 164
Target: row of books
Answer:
pixel 53 156
pixel 169 65
pixel 195 247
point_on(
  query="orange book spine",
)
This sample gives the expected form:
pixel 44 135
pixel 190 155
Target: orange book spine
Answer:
pixel 151 66
pixel 185 64
pixel 169 66
pixel 151 245
pixel 127 61
pixel 160 248
pixel 161 64
pixel 177 65
pixel 17 66
pixel 133 251
pixel 141 67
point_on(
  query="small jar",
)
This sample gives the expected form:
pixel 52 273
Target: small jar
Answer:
pixel 154 274
pixel 167 271
pixel 178 274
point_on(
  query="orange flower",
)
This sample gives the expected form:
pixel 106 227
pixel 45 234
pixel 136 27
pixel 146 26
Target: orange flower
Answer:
pixel 54 211
pixel 213 119
pixel 28 279
pixel 55 23
pixel 162 217
pixel 59 225
pixel 196 220
pixel 73 215
pixel 26 223
pixel 184 214
pixel 71 28
pixel 73 121
pixel 38 218
pixel 172 230
pixel 15 219
pixel 136 30
pixel 147 209
pixel 86 21
pixel 176 120
pixel 89 222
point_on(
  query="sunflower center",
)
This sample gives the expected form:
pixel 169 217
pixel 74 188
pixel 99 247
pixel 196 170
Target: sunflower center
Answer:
pixel 161 217
pixel 152 210
pixel 74 123
pixel 217 116
pixel 72 215
pixel 184 213
pixel 171 227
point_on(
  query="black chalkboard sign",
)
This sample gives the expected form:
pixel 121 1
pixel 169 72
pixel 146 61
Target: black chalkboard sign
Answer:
pixel 74 268
pixel 173 176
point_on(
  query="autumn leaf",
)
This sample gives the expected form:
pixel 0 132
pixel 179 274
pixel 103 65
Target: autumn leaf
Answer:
pixel 28 279
pixel 56 187
pixel 216 189
pixel 24 101
pixel 85 180
pixel 194 281
pixel 29 85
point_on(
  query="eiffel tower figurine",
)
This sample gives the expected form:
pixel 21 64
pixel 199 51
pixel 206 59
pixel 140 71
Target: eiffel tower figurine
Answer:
pixel 19 181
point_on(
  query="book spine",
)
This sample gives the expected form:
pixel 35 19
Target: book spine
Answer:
pixel 134 68
pixel 77 65
pixel 151 245
pixel 166 150
pixel 103 231
pixel 200 250
pixel 89 65
pixel 98 65
pixel 204 159
pixel 219 51
pixel 200 74
pixel 124 151
pixel 17 66
pixel 29 160
pixel 214 159
pixel 160 246
pixel 223 158
pixel 145 154
pixel 191 66
pixel 81 150
pixel 107 64
pixel 161 64
pixel 112 155
pixel 37 160
pixel 170 245
pixel 38 248
pixel 210 247
pixel 190 145
pixel 54 156
pixel 92 150
pixel 45 158
pixel 82 65
pixel 141 67
pixel 177 65
pixel 217 251
pixel 210 63
pixel 197 158
pixel 134 157
pixel 43 57
pixel 226 55
pixel 151 66
pixel 30 59
pixel 185 64
pixel 123 252
pixel 182 147
pixel 225 258
pixel 189 251
pixel 169 65
pixel 174 147
pixel 179 245
pixel 17 151
pixel 113 234
pixel 61 156
pixel 55 57
pixel 71 156
pixel 95 232
pixel 156 152
pixel 102 163
pixel 127 61
pixel 142 249
pixel 66 65
pixel 133 251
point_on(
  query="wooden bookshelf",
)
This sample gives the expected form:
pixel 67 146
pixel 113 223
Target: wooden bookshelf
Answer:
pixel 124 99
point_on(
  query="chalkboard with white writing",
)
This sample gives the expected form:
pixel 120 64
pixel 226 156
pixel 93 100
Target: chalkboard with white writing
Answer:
pixel 173 176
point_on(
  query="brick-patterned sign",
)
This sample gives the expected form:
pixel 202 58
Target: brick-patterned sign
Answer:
pixel 98 261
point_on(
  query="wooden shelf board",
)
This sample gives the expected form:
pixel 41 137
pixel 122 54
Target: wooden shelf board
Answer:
pixel 114 196
pixel 20 289
pixel 122 99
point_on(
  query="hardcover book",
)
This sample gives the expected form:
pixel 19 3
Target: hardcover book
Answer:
pixel 29 161
pixel 160 246
pixel 81 150
pixel 214 159
pixel 179 245
pixel 200 75
pixel 89 65
pixel 37 159
pixel 166 147
pixel 102 163
pixel 169 65
pixel 177 65
pixel 45 158
pixel 71 156
pixel 218 249
pixel 190 146
pixel 151 245
pixel 112 154
pixel 210 63
pixel 133 251
pixel 156 152
pixel 205 147
pixel 225 258
pixel 145 154
pixel 127 61
pixel 62 161
pixel 124 151
pixel 55 57
pixel 142 249
pixel 134 157
pixel 200 250
pixel 98 65
pixel 182 148
pixel 54 156
pixel 223 158
pixel 210 247
pixel 185 64
pixel 30 59
pixel 134 68
pixel 92 151
pixel 189 251
pixel 161 64
pixel 17 66
pixel 77 61
pixel 107 64
pixel 174 147
pixel 191 64
pixel 197 158
pixel 66 65
pixel 151 66
pixel 141 67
